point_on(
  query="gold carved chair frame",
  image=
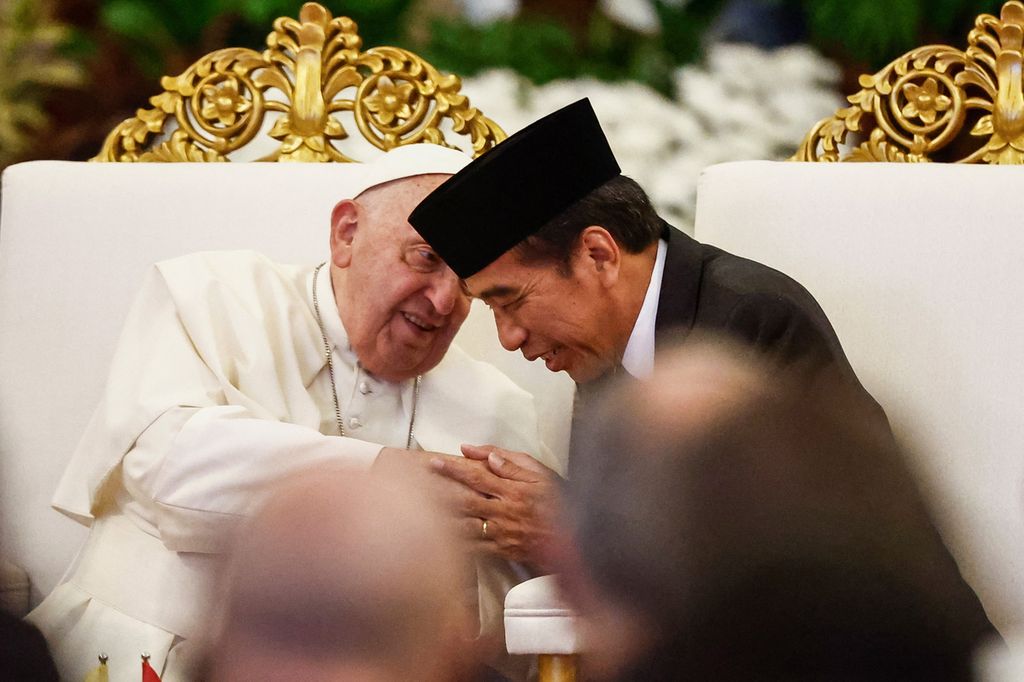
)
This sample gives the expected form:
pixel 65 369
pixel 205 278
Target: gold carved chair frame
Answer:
pixel 937 103
pixel 311 75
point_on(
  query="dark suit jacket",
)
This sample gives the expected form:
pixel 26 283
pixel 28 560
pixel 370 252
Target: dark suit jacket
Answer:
pixel 706 288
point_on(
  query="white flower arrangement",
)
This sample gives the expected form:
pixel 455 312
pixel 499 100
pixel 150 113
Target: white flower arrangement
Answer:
pixel 743 102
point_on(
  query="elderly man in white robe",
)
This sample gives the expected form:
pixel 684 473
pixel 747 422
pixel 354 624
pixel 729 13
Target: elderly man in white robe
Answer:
pixel 233 371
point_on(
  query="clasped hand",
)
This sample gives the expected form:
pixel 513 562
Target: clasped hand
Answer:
pixel 514 493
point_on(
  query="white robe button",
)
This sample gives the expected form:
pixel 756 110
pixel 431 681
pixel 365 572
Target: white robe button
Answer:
pixel 355 422
pixel 364 388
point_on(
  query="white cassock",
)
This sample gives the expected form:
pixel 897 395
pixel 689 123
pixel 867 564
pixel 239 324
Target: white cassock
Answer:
pixel 219 387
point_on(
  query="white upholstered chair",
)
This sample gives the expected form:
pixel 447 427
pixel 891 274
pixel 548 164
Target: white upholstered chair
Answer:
pixel 76 238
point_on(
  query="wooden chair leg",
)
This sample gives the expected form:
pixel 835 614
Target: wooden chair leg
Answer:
pixel 558 668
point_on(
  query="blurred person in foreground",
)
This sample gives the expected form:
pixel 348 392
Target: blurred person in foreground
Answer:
pixel 367 593
pixel 233 371
pixel 734 523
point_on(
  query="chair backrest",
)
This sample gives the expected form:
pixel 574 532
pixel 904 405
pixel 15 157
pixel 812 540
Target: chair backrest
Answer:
pixel 76 238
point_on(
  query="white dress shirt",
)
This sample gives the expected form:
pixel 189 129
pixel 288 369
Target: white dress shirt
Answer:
pixel 638 359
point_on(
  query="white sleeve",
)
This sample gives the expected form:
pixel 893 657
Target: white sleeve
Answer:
pixel 198 471
pixel 191 412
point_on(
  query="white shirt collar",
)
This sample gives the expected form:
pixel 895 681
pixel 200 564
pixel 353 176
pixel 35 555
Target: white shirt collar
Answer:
pixel 329 316
pixel 638 359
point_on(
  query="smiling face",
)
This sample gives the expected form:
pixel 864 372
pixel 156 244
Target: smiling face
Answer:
pixel 565 315
pixel 400 304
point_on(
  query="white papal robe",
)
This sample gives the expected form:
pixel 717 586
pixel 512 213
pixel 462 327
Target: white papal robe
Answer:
pixel 219 386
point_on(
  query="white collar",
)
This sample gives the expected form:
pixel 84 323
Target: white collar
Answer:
pixel 334 328
pixel 638 359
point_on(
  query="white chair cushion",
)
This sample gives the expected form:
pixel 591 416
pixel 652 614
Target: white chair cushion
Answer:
pixel 537 620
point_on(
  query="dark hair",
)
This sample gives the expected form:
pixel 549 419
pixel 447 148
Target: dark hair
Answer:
pixel 620 206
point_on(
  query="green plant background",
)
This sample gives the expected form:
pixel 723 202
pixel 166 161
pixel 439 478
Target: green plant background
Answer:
pixel 118 49
pixel 158 31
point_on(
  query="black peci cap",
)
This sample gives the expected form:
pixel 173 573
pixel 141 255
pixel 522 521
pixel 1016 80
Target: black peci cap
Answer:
pixel 510 192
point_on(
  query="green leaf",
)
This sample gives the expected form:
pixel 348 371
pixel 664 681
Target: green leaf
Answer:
pixel 682 29
pixel 381 22
pixel 539 50
pixel 873 31
pixel 651 65
pixel 259 11
pixel 877 31
pixel 136 20
pixel 947 17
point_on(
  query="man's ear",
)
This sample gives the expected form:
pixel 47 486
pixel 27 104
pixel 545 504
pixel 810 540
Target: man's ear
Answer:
pixel 600 253
pixel 344 222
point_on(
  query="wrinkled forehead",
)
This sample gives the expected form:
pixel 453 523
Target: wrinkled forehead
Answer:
pixel 400 191
pixel 385 208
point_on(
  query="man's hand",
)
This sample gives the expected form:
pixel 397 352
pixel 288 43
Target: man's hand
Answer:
pixel 515 494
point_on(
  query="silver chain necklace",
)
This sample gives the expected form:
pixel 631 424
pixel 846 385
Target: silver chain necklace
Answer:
pixel 329 352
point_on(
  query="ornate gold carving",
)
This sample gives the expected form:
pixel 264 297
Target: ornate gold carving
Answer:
pixel 179 148
pixel 310 76
pixel 877 148
pixel 920 103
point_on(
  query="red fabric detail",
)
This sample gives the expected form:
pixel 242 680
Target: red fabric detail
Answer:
pixel 148 674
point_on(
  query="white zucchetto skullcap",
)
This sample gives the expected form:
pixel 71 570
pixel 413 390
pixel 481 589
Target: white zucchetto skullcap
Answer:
pixel 406 162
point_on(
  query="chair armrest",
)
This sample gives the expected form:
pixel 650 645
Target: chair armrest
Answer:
pixel 537 620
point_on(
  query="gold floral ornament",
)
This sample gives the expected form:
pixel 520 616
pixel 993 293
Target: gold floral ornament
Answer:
pixel 223 102
pixel 311 81
pixel 391 101
pixel 922 102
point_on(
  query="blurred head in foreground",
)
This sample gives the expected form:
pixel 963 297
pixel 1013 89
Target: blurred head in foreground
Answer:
pixel 343 576
pixel 734 524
